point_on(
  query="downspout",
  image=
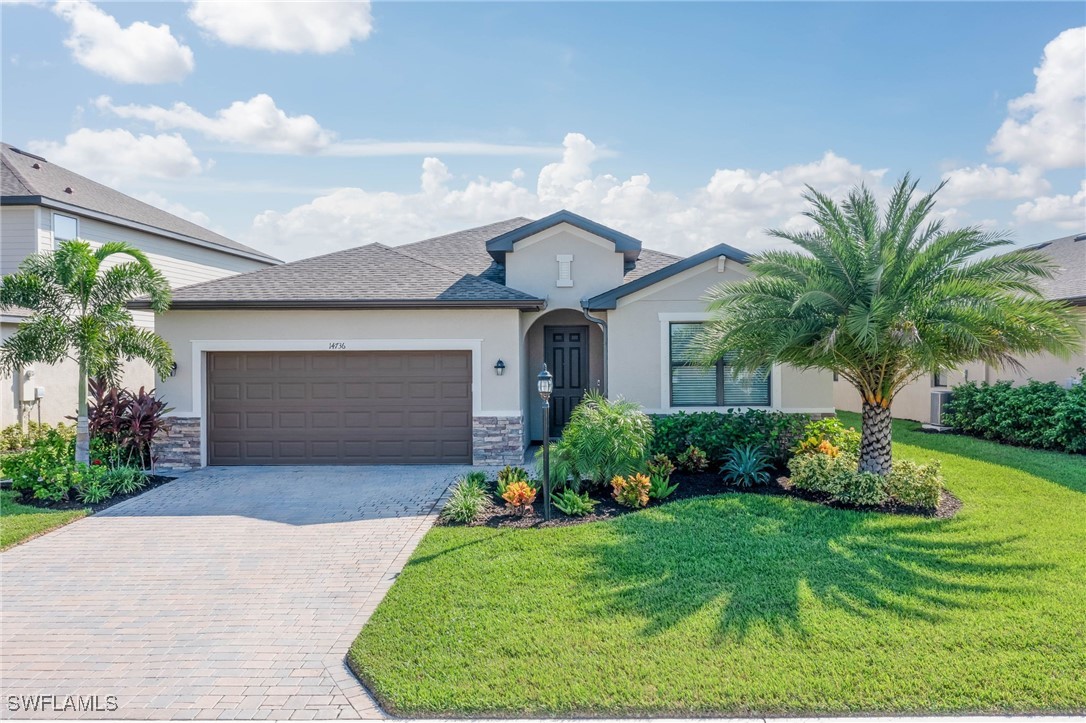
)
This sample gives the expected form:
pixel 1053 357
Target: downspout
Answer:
pixel 603 328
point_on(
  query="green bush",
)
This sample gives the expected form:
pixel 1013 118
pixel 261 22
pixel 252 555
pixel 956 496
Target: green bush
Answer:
pixel 125 480
pixel 508 475
pixel 47 470
pixel 15 438
pixel 93 484
pixel 467 500
pixel 916 485
pixel 1069 419
pixel 606 438
pixel 573 503
pixel 659 470
pixel 1035 414
pixel 692 459
pixel 747 466
pixel 561 471
pixel 832 430
pixel 717 433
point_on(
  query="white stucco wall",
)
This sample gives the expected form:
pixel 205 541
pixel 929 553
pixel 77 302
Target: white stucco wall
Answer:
pixel 495 333
pixel 637 328
pixel 532 266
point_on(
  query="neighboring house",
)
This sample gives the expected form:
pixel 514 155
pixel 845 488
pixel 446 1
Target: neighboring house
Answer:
pixel 428 352
pixel 43 204
pixel 1067 285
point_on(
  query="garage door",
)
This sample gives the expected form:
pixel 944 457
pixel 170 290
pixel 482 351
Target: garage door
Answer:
pixel 339 407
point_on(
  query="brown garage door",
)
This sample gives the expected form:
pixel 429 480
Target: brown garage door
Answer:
pixel 339 407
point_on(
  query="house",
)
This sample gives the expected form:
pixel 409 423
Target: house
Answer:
pixel 43 204
pixel 428 352
pixel 1068 284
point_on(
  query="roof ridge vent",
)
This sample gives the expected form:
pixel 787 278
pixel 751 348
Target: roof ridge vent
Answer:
pixel 36 165
pixel 68 189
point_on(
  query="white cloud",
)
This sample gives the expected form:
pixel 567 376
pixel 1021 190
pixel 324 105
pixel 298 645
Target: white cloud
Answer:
pixel 159 201
pixel 1047 128
pixel 115 156
pixel 259 124
pixel 140 53
pixel 1064 210
pixel 986 182
pixel 293 27
pixel 734 206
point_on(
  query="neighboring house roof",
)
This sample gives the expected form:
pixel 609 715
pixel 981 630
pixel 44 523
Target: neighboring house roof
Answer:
pixel 1068 283
pixel 498 246
pixel 609 299
pixel 373 276
pixel 26 179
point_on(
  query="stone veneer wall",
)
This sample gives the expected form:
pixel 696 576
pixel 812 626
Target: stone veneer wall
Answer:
pixel 178 449
pixel 497 440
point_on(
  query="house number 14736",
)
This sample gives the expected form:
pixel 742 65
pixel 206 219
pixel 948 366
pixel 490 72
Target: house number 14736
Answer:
pixel 337 345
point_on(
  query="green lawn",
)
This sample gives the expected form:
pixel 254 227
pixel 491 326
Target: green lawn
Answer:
pixel 21 522
pixel 741 604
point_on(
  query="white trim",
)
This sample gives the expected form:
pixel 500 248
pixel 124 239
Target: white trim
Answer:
pixel 786 410
pixel 200 347
pixel 568 228
pixel 666 318
pixel 504 413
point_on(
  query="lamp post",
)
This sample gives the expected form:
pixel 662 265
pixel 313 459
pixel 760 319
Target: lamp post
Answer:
pixel 545 383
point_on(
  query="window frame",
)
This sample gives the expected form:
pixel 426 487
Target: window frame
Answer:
pixel 939 379
pixel 721 368
pixel 74 219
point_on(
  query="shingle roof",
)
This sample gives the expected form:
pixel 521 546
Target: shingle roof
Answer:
pixel 47 184
pixel 648 262
pixel 373 276
pixel 465 250
pixel 1069 281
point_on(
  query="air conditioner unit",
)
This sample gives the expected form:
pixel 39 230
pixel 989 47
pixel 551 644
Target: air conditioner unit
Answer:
pixel 939 400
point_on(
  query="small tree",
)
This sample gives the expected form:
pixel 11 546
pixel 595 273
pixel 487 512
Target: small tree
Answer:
pixel 79 312
pixel 881 299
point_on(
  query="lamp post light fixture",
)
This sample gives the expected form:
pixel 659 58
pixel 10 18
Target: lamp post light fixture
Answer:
pixel 545 384
pixel 499 367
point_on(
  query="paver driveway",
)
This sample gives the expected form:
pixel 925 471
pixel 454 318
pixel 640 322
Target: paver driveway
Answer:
pixel 228 593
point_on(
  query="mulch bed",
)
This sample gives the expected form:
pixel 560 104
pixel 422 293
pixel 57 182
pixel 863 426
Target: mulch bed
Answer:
pixel 699 484
pixel 154 480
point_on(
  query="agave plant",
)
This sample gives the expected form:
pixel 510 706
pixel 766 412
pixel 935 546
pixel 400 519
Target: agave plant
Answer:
pixel 746 466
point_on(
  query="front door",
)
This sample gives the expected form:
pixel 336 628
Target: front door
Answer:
pixel 566 351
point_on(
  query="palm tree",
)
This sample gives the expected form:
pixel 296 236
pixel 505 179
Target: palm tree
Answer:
pixel 79 312
pixel 883 299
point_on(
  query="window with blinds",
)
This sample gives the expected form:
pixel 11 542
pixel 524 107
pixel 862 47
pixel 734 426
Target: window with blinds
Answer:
pixel 694 385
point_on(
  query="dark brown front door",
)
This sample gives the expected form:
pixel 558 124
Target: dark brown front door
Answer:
pixel 566 351
pixel 339 407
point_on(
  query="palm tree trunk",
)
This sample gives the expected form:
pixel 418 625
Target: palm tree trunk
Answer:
pixel 875 441
pixel 82 426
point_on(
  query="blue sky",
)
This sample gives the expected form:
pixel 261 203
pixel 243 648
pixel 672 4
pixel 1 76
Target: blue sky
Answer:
pixel 684 124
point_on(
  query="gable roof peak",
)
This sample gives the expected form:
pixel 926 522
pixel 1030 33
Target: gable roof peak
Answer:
pixel 625 244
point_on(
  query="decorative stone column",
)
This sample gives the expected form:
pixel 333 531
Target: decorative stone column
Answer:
pixel 178 450
pixel 497 440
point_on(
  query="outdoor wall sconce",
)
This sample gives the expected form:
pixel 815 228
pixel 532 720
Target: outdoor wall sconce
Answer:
pixel 499 368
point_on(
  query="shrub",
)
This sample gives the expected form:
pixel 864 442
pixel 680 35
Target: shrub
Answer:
pixel 837 477
pixel 606 438
pixel 1035 414
pixel 717 433
pixel 47 470
pixel 916 485
pixel 573 503
pixel 467 500
pixel 128 419
pixel 631 491
pixel 660 469
pixel 562 472
pixel 829 436
pixel 692 459
pixel 1069 418
pixel 92 484
pixel 660 487
pixel 14 438
pixel 747 466
pixel 519 496
pixel 509 474
pixel 125 480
